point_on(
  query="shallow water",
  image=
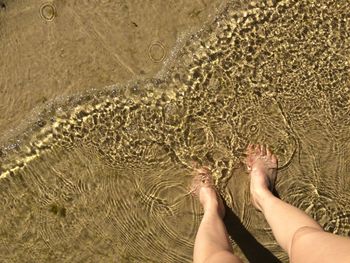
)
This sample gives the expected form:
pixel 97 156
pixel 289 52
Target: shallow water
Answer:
pixel 104 175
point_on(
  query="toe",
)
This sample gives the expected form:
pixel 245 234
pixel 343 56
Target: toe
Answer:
pixel 268 152
pixel 250 149
pixel 262 150
pixel 257 150
pixel 274 159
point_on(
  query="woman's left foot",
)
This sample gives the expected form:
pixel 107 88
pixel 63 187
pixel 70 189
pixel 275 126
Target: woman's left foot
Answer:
pixel 203 187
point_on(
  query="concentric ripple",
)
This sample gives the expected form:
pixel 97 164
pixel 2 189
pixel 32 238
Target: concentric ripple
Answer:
pixel 48 11
pixel 157 52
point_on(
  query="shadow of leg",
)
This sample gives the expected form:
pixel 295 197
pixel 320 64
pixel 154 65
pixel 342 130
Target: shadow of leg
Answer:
pixel 251 248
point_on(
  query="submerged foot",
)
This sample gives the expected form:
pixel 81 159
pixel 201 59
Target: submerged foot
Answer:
pixel 262 165
pixel 203 187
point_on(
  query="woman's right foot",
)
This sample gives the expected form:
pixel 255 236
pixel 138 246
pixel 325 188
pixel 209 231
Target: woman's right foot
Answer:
pixel 262 166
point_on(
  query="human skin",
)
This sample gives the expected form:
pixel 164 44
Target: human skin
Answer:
pixel 298 234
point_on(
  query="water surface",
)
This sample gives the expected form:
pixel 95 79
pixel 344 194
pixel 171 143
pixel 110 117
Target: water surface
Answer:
pixel 104 175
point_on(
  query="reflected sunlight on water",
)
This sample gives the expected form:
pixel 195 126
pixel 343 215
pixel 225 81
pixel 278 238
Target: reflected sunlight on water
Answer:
pixel 104 175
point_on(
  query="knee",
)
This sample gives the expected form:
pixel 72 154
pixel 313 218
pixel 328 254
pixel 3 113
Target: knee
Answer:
pixel 300 238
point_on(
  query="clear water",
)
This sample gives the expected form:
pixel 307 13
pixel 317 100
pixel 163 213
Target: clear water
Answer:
pixel 103 176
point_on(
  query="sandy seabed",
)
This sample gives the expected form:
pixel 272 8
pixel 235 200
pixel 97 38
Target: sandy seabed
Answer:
pixel 106 104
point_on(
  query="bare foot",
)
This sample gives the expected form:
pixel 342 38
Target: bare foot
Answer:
pixel 262 165
pixel 203 187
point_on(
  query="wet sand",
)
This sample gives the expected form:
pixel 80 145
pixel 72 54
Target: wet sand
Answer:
pixel 102 174
pixel 56 49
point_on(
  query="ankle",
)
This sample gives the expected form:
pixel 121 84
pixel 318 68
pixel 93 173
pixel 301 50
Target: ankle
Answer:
pixel 211 206
pixel 260 196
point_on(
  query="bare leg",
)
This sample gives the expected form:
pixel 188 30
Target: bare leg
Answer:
pixel 297 233
pixel 212 243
